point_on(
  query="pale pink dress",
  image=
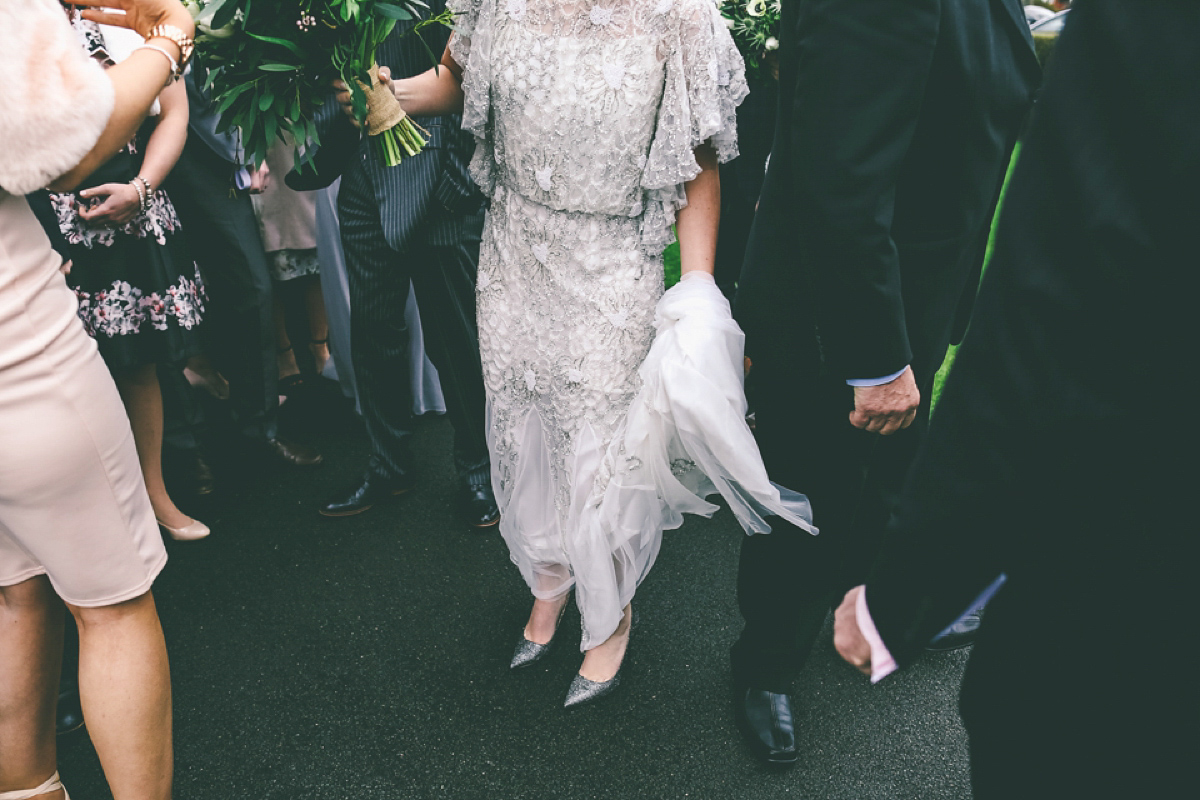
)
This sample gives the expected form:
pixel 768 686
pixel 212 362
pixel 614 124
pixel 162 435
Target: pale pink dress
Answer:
pixel 73 505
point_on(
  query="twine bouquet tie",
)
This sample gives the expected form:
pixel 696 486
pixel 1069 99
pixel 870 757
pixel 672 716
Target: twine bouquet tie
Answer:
pixel 394 133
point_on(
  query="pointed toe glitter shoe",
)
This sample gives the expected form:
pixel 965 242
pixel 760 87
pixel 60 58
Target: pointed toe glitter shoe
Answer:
pixel 584 691
pixel 527 652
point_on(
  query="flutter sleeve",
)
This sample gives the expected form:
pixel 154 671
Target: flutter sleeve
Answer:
pixel 705 83
pixel 54 100
pixel 471 49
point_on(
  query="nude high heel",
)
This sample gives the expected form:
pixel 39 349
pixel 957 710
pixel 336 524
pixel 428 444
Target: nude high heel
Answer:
pixel 51 785
pixel 188 533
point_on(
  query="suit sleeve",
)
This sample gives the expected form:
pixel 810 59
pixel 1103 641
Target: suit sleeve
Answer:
pixel 863 64
pixel 1055 452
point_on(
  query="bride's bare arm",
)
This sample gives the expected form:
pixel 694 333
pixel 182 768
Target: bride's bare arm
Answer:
pixel 696 224
pixel 432 93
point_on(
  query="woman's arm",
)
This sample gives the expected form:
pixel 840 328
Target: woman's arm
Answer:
pixel 432 93
pixel 166 143
pixel 696 224
pixel 136 81
pixel 121 200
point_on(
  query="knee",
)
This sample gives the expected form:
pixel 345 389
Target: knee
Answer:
pixel 139 610
pixel 34 594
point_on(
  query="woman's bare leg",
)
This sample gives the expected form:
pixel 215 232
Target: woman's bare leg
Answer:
pixel 31 637
pixel 285 356
pixel 601 663
pixel 125 688
pixel 143 403
pixel 543 619
pixel 318 325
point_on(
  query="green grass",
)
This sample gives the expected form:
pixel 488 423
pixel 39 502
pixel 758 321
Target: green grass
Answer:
pixel 671 265
pixel 939 380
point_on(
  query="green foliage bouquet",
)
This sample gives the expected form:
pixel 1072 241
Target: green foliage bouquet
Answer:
pixel 755 28
pixel 270 64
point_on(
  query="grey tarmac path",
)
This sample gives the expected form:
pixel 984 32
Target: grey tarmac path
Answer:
pixel 367 658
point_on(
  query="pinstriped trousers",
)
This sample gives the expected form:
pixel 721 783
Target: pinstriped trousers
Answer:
pixel 443 276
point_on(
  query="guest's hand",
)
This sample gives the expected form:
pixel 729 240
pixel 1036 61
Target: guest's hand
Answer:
pixel 887 408
pixel 847 636
pixel 260 179
pixel 65 269
pixel 110 205
pixel 139 15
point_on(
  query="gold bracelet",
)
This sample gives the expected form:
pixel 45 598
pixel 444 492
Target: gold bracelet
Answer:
pixel 179 39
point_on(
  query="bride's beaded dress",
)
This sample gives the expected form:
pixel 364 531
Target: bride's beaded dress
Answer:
pixel 587 115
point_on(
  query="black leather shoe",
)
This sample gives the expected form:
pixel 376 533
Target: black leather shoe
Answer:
pixel 372 490
pixel 293 454
pixel 766 720
pixel 69 716
pixel 479 506
pixel 961 634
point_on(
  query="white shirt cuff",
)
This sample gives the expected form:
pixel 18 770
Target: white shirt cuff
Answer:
pixel 875 381
pixel 882 663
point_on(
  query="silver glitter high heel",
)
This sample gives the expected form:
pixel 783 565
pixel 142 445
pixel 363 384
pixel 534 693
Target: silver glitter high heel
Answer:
pixel 583 690
pixel 527 652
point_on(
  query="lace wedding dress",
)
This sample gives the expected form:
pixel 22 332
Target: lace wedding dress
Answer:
pixel 587 115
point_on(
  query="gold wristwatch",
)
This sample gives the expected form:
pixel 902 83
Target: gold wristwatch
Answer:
pixel 181 40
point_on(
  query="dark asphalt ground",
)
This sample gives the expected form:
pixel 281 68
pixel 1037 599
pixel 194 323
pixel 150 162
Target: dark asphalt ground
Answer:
pixel 368 658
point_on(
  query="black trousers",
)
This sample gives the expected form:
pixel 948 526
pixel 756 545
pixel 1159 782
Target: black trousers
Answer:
pixel 443 277
pixel 237 330
pixel 789 579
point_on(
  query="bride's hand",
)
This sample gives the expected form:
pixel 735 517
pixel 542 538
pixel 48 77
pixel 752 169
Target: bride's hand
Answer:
pixel 139 15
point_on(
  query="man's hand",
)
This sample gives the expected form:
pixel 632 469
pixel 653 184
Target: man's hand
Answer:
pixel 112 204
pixel 847 636
pixel 345 99
pixel 887 408
pixel 260 179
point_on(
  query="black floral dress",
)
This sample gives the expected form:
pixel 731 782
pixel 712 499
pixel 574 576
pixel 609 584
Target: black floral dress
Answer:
pixel 140 293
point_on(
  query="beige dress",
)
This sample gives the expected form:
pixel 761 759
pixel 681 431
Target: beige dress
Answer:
pixel 73 505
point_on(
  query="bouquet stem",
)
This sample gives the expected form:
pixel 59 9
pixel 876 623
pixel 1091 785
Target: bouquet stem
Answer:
pixel 394 133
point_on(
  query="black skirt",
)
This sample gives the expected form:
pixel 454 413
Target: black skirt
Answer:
pixel 140 293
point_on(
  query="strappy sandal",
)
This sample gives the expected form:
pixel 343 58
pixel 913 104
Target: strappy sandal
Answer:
pixel 52 785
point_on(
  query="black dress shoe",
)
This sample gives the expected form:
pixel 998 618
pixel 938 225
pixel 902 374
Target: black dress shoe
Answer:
pixel 69 716
pixel 961 634
pixel 372 489
pixel 293 454
pixel 479 506
pixel 766 720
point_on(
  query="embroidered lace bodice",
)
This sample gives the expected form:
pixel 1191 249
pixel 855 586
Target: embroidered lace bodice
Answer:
pixel 597 107
pixel 586 117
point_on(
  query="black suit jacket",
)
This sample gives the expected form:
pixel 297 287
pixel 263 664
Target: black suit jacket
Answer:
pixel 895 125
pixel 1059 454
pixel 430 195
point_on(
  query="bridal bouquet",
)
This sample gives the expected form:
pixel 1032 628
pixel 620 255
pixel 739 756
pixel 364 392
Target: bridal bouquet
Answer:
pixel 755 28
pixel 270 64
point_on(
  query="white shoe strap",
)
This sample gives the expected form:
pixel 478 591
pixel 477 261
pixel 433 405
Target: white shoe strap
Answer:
pixel 51 785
